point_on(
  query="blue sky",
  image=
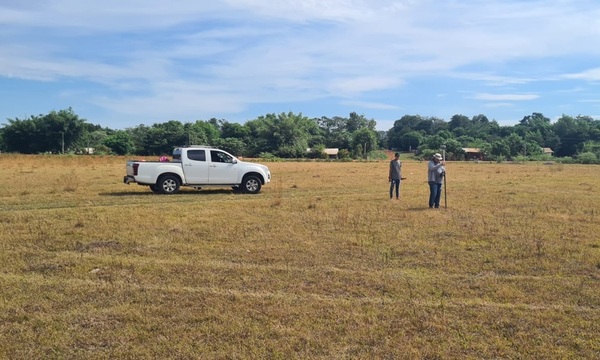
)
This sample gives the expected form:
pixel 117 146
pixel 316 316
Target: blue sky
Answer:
pixel 125 63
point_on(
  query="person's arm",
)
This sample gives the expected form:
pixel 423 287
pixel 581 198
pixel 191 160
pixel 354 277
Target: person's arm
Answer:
pixel 433 166
pixel 400 172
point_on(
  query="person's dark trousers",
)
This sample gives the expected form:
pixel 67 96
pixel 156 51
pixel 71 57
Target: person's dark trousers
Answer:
pixel 395 184
pixel 435 191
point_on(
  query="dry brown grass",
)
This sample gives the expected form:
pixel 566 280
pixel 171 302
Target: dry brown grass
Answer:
pixel 319 265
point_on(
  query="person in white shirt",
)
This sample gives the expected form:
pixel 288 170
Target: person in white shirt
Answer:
pixel 435 177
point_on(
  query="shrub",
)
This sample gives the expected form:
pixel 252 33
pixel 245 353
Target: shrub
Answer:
pixel 267 156
pixel 344 154
pixel 377 155
pixel 565 160
pixel 587 158
pixel 543 157
pixel 520 158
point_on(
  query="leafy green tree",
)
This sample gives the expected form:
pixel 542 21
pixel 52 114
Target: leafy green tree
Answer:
pixel 416 123
pixel 534 136
pixel 65 123
pixel 536 127
pixel 500 148
pixel 532 148
pixel 234 146
pixel 382 142
pixel 20 135
pixel 119 142
pixel 592 147
pixel 454 149
pixel 516 144
pixel 482 128
pixel 234 130
pixel 466 140
pixel 484 146
pixel 573 133
pixel 285 135
pixel 364 141
pixel 240 133
pixel 337 131
pixel 2 146
pixel 161 138
pixel 458 121
pixel 410 141
pixel 256 143
pixel 434 142
pixel 217 123
pixel 587 158
pixel 344 154
pixel 406 124
pixel 318 152
pixel 357 122
pixel 201 133
pixel 55 132
pixel 439 125
pixel 505 131
pixel 92 139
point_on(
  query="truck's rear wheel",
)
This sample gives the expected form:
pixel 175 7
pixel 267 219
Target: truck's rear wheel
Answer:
pixel 168 184
pixel 251 184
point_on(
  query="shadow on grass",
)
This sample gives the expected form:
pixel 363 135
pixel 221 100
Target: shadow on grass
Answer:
pixel 425 208
pixel 180 193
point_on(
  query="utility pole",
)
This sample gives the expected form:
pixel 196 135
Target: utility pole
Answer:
pixel 62 136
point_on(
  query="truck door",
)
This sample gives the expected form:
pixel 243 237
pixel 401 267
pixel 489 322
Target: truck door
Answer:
pixel 222 170
pixel 195 166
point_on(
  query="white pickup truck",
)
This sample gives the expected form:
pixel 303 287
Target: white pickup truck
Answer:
pixel 197 167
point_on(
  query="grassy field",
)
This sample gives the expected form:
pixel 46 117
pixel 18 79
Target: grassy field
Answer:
pixel 320 265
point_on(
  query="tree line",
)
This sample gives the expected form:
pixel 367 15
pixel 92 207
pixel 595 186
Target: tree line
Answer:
pixel 290 135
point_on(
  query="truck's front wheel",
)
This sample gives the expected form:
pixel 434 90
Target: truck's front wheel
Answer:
pixel 251 184
pixel 168 184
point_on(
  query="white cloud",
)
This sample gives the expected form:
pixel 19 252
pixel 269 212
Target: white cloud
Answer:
pixel 370 105
pixel 498 105
pixel 505 97
pixel 587 75
pixel 362 84
pixel 495 80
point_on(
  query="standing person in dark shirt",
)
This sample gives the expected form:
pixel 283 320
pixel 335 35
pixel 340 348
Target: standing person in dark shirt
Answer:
pixel 395 174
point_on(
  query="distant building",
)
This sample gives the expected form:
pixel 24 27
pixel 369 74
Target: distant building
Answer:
pixel 547 151
pixel 473 154
pixel 332 153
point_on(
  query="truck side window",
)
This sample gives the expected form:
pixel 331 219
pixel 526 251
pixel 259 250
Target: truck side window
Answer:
pixel 217 156
pixel 197 155
pixel 177 155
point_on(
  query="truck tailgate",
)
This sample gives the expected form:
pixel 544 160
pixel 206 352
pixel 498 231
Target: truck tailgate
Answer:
pixel 129 168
